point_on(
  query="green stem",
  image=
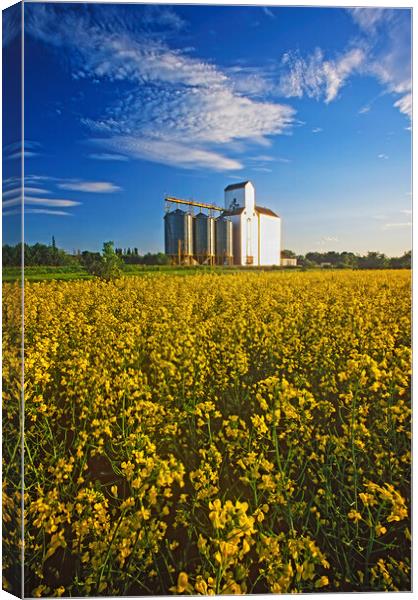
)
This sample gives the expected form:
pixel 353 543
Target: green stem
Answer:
pixel 109 549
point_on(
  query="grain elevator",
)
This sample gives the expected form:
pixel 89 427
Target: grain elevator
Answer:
pixel 240 233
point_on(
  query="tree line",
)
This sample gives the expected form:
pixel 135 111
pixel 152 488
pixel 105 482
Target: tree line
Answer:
pixel 50 256
pixel 349 260
pixel 44 255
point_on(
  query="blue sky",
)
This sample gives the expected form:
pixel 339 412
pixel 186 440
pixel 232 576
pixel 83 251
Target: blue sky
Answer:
pixel 127 103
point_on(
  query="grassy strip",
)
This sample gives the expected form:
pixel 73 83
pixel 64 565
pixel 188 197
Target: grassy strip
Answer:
pixel 69 273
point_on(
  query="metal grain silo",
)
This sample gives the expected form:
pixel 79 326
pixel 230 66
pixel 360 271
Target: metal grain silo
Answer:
pixel 224 252
pixel 179 235
pixel 204 238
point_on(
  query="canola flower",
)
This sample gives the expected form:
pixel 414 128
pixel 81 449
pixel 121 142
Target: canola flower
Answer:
pixel 233 434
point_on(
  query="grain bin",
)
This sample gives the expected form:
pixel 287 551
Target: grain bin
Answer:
pixel 224 253
pixel 179 235
pixel 204 238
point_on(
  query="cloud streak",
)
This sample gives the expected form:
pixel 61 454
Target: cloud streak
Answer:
pixel 56 202
pixel 14 150
pixel 38 197
pixel 108 156
pixel 178 109
pixel 157 16
pixel 316 76
pixel 368 19
pixel 388 33
pixel 267 11
pixel 170 153
pixel 397 225
pixel 382 50
pixel 95 187
pixel 29 190
pixel 404 104
pixel 39 211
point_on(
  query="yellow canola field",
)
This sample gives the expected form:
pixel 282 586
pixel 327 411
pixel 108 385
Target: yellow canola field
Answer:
pixel 212 434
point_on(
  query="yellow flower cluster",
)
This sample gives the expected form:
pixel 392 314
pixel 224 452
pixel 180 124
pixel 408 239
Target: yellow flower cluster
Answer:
pixel 210 434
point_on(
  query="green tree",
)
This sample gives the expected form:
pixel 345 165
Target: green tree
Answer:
pixel 288 253
pixel 111 264
pixel 401 262
pixel 92 262
pixel 373 260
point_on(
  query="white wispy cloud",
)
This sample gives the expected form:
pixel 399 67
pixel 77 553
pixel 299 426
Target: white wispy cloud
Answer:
pixel 262 158
pixel 155 15
pixel 263 162
pixel 11 182
pixel 108 156
pixel 12 192
pixel 29 190
pixel 368 19
pixel 102 187
pixel 9 213
pixel 364 110
pixel 57 202
pixel 393 216
pixel 317 130
pixel 316 76
pixel 45 211
pixel 35 179
pixel 383 156
pixel 15 150
pixel 35 190
pixel 184 127
pixel 15 201
pixel 30 180
pixel 405 105
pixel 267 11
pixel 251 81
pixel 191 115
pixel 170 153
pixel 397 225
pixel 381 50
pixel 262 169
pixel 18 155
pixel 388 34
pixel 179 109
pixel 34 195
pixel 42 211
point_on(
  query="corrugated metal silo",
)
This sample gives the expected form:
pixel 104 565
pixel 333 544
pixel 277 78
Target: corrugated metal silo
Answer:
pixel 178 233
pixel 224 253
pixel 204 237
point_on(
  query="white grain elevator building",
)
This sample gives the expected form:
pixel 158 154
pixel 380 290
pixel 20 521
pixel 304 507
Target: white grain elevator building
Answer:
pixel 256 230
